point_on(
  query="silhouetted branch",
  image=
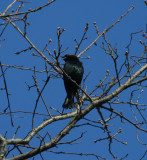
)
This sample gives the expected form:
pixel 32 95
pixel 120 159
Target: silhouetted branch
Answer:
pixel 39 95
pixel 3 74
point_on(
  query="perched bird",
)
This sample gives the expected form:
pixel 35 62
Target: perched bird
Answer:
pixel 74 69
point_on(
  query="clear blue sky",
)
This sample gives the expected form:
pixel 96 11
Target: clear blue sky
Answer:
pixel 72 16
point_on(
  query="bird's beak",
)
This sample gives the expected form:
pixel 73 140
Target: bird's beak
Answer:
pixel 63 57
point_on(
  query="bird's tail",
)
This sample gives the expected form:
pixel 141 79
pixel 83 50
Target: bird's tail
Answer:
pixel 68 103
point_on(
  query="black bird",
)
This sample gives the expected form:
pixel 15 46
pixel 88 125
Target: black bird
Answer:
pixel 74 69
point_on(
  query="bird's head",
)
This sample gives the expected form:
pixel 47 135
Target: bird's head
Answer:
pixel 70 57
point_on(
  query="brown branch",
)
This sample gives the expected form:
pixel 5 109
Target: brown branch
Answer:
pixel 39 95
pixel 75 119
pixel 107 130
pixel 29 11
pixel 105 31
pixel 120 115
pixel 34 47
pixel 79 154
pixel 8 7
pixel 7 95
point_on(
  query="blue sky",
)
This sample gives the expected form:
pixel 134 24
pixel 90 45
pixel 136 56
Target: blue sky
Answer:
pixel 71 15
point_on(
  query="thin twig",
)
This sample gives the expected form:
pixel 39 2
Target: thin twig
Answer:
pixel 105 31
pixel 7 95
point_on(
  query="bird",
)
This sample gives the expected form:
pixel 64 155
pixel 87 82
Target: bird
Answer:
pixel 73 67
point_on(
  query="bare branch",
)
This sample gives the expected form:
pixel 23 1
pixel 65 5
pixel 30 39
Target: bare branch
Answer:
pixel 105 31
pixel 7 94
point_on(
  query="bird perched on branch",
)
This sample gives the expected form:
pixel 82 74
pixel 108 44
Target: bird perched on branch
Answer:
pixel 73 72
